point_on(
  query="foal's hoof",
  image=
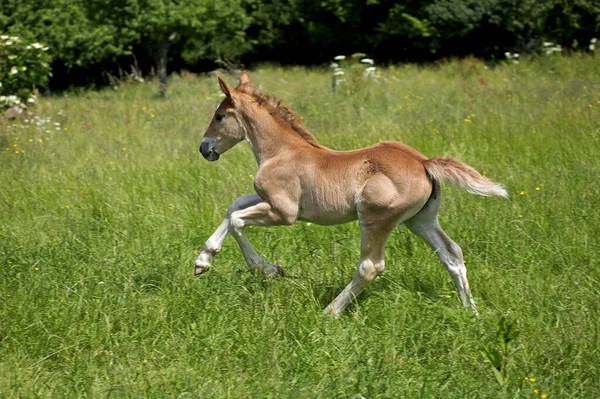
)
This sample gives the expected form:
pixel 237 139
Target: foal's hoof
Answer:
pixel 332 312
pixel 272 271
pixel 201 268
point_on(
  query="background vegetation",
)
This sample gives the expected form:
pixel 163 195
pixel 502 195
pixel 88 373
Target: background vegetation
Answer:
pixel 105 203
pixel 88 39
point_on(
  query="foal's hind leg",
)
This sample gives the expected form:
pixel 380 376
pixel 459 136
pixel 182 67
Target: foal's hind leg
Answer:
pixel 214 243
pixel 425 225
pixel 372 252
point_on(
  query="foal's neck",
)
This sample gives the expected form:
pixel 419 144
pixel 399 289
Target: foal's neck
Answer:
pixel 269 137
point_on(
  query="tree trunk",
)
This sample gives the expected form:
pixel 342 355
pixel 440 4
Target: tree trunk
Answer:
pixel 163 52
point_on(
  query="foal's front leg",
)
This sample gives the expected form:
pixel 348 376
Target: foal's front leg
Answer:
pixel 261 214
pixel 214 243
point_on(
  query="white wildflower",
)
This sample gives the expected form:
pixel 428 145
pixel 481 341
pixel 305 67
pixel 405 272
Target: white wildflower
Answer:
pixel 369 72
pixel 338 73
pixel 14 70
pixel 593 40
pixel 334 65
pixel 507 54
pixel 3 37
pixel 23 68
pixel 367 61
pixel 516 55
pixel 8 43
pixel 31 100
pixel 339 57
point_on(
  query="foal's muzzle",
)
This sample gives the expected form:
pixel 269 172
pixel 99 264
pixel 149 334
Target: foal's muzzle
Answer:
pixel 208 151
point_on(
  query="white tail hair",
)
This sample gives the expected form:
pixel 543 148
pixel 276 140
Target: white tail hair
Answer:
pixel 449 170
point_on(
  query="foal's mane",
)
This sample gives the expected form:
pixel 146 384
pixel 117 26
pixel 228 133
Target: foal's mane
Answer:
pixel 276 108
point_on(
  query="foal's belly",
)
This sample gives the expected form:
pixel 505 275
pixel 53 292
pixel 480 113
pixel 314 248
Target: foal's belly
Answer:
pixel 327 215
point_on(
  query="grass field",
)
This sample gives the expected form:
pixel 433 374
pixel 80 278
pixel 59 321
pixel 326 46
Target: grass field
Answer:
pixel 105 202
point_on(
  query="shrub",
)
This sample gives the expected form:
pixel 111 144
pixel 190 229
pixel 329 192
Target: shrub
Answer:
pixel 24 66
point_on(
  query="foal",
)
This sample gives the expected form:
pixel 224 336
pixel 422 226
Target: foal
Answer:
pixel 298 179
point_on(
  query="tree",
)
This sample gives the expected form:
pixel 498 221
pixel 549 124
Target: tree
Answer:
pixel 77 32
pixel 207 27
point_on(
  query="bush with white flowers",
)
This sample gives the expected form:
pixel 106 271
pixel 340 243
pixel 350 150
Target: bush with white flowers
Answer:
pixel 357 69
pixel 24 66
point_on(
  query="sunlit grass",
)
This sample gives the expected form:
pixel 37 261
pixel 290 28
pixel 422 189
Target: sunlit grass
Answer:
pixel 105 206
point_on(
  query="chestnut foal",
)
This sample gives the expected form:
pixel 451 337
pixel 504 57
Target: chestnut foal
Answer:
pixel 298 179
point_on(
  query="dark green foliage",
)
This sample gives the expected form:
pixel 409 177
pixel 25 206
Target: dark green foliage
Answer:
pixel 98 35
pixel 78 32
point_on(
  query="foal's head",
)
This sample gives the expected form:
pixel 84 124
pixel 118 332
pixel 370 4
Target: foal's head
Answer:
pixel 226 128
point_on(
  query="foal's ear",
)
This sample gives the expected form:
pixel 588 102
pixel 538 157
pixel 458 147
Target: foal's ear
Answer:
pixel 245 78
pixel 225 88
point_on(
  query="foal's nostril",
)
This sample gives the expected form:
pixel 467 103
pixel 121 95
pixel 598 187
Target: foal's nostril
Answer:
pixel 208 152
pixel 204 149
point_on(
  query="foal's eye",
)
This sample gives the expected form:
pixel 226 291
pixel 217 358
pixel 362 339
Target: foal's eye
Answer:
pixel 219 117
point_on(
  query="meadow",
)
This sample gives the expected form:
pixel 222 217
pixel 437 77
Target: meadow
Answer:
pixel 105 203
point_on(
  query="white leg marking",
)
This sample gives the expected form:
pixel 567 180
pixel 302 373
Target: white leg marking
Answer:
pixel 450 255
pixel 371 265
pixel 260 214
pixel 214 243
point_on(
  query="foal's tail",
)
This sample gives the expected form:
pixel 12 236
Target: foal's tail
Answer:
pixel 449 170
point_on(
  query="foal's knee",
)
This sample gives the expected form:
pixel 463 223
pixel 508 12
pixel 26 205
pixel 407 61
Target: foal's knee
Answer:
pixel 369 269
pixel 235 224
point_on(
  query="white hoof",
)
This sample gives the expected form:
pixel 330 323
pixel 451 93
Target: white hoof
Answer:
pixel 201 267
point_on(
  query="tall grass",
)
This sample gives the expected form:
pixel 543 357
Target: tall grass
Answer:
pixel 105 206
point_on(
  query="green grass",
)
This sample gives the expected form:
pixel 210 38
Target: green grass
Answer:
pixel 102 220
